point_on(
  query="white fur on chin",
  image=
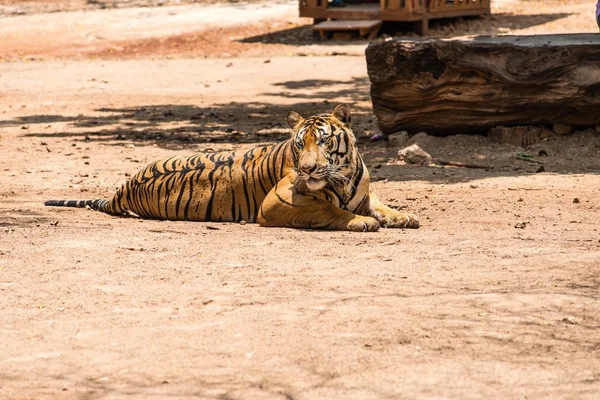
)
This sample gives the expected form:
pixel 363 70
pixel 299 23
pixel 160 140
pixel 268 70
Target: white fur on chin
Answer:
pixel 313 184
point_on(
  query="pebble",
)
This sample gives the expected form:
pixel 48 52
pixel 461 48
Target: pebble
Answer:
pixel 561 129
pixel 398 139
pixel 414 154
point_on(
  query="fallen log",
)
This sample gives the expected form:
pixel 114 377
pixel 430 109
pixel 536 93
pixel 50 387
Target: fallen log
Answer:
pixel 470 85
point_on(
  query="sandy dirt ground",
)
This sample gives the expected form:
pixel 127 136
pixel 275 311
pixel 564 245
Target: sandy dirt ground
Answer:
pixel 496 295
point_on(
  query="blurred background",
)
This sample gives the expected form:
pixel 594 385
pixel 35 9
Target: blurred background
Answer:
pixel 50 29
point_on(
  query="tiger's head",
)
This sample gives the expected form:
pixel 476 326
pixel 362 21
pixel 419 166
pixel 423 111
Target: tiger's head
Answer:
pixel 324 148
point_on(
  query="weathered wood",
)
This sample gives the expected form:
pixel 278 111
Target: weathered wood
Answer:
pixel 395 10
pixel 523 136
pixel 451 86
pixel 364 27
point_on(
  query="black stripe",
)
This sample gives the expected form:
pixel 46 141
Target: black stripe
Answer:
pixel 207 216
pixel 246 197
pixel 275 154
pixel 257 177
pixel 286 202
pixel 168 189
pixel 255 208
pixel 283 160
pixel 361 205
pixel 357 178
pixel 213 186
pixel 128 190
pixel 158 198
pixel 186 209
pixel 178 202
pixel 233 204
pixel 264 165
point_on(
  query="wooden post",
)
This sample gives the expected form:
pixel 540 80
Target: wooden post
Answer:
pixel 424 26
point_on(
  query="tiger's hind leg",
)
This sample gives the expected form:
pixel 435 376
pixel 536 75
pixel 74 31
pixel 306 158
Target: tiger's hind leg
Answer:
pixel 390 218
pixel 283 207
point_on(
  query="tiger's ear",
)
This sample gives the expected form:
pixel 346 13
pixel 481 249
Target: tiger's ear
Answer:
pixel 342 113
pixel 293 119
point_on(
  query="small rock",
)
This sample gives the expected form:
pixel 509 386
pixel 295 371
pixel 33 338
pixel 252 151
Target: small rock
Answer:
pixel 420 135
pixel 131 248
pixel 242 222
pixel 398 139
pixel 521 225
pixel 561 129
pixel 413 154
pixel 576 200
pixel 570 320
pixel 377 137
pixel 543 153
pixel 541 168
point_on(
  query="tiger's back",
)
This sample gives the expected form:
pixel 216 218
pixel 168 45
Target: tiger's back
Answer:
pixel 221 186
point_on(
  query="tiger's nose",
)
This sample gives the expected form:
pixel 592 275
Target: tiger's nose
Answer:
pixel 308 169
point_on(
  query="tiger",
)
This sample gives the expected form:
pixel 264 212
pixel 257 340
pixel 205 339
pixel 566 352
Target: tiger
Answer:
pixel 315 179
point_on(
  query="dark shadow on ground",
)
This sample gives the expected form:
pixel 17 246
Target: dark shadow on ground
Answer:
pixel 248 124
pixel 167 125
pixel 170 124
pixel 490 25
pixel 577 153
pixel 297 36
pixel 487 25
pixel 352 91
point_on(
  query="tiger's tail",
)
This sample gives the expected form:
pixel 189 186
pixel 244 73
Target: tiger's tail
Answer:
pixel 96 204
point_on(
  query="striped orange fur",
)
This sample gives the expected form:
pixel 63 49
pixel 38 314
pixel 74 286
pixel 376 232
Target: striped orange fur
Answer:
pixel 316 179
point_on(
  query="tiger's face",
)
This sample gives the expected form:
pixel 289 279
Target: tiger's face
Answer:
pixel 324 146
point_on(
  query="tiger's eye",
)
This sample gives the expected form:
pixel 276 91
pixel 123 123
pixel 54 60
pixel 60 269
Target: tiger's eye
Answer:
pixel 324 139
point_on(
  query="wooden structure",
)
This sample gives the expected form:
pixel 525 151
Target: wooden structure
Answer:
pixel 369 28
pixel 457 86
pixel 394 10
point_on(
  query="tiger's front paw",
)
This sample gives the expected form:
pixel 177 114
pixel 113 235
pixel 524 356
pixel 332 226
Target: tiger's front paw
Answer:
pixel 363 224
pixel 399 220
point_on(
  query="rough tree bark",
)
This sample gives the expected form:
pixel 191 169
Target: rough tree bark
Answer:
pixel 454 86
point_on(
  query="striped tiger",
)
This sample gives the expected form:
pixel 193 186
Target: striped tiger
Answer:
pixel 315 179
